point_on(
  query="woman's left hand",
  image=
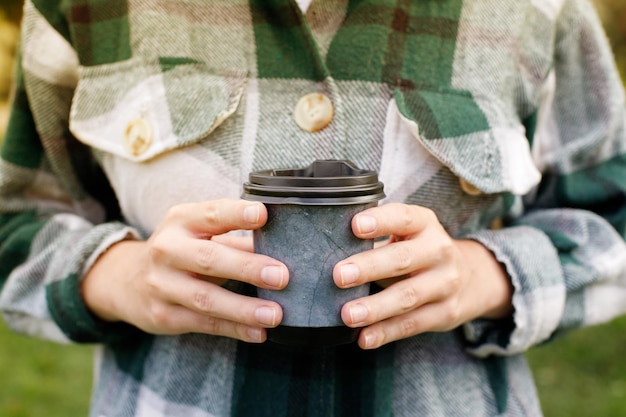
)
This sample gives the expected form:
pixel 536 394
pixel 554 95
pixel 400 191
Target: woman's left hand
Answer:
pixel 431 281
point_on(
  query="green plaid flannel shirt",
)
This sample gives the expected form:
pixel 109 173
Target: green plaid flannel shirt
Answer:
pixel 520 99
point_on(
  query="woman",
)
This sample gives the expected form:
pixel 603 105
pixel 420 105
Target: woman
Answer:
pixel 497 128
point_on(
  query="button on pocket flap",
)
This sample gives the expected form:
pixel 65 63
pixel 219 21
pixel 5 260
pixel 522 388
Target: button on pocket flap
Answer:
pixel 487 149
pixel 138 110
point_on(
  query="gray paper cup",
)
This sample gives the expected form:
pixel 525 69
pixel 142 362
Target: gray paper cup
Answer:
pixel 309 230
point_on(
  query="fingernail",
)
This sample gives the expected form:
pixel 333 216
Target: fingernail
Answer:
pixel 365 224
pixel 349 274
pixel 369 339
pixel 272 275
pixel 266 316
pixel 255 334
pixel 358 313
pixel 252 213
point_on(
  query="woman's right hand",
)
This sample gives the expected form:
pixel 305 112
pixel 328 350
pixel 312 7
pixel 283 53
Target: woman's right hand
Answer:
pixel 171 283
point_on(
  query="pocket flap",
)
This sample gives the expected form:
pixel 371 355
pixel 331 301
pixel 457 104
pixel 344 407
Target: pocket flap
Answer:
pixel 472 137
pixel 138 110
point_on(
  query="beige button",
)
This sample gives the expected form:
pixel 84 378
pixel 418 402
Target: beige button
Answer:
pixel 137 137
pixel 468 188
pixel 313 112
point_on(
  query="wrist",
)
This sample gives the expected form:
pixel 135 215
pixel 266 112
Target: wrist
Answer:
pixel 489 280
pixel 101 287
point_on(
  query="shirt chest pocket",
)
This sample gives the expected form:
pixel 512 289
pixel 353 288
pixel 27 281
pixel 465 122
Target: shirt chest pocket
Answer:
pixel 477 138
pixel 138 110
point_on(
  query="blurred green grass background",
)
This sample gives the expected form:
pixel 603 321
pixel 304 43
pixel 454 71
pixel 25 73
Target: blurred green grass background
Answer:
pixel 582 374
pixel 43 379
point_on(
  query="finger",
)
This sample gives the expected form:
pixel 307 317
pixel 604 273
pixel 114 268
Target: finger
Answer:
pixel 396 259
pixel 211 300
pixel 216 217
pixel 392 219
pixel 206 257
pixel 182 320
pixel 430 317
pixel 398 299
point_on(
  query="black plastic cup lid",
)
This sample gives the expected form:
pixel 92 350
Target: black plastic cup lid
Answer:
pixel 324 182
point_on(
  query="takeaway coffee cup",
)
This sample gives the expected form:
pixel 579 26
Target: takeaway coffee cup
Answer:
pixel 309 229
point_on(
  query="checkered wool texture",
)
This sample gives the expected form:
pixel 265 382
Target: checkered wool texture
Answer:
pixel 519 98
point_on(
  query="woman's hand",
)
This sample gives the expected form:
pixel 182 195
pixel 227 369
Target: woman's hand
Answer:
pixel 431 281
pixel 171 283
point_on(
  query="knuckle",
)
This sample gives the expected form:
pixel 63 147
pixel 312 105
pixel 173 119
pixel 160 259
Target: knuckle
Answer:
pixel 403 259
pixel 430 215
pixel 447 249
pixel 159 316
pixel 407 215
pixel 239 332
pixel 153 284
pixel 205 258
pixel 452 314
pixel 454 282
pixel 158 247
pixel 443 252
pixel 203 301
pixel 247 270
pixel 179 211
pixel 212 213
pixel 409 298
pixel 408 327
pixel 212 325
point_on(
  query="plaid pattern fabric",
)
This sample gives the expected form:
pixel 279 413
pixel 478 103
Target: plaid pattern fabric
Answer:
pixel 520 99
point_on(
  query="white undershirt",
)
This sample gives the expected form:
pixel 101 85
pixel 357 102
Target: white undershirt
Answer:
pixel 304 5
